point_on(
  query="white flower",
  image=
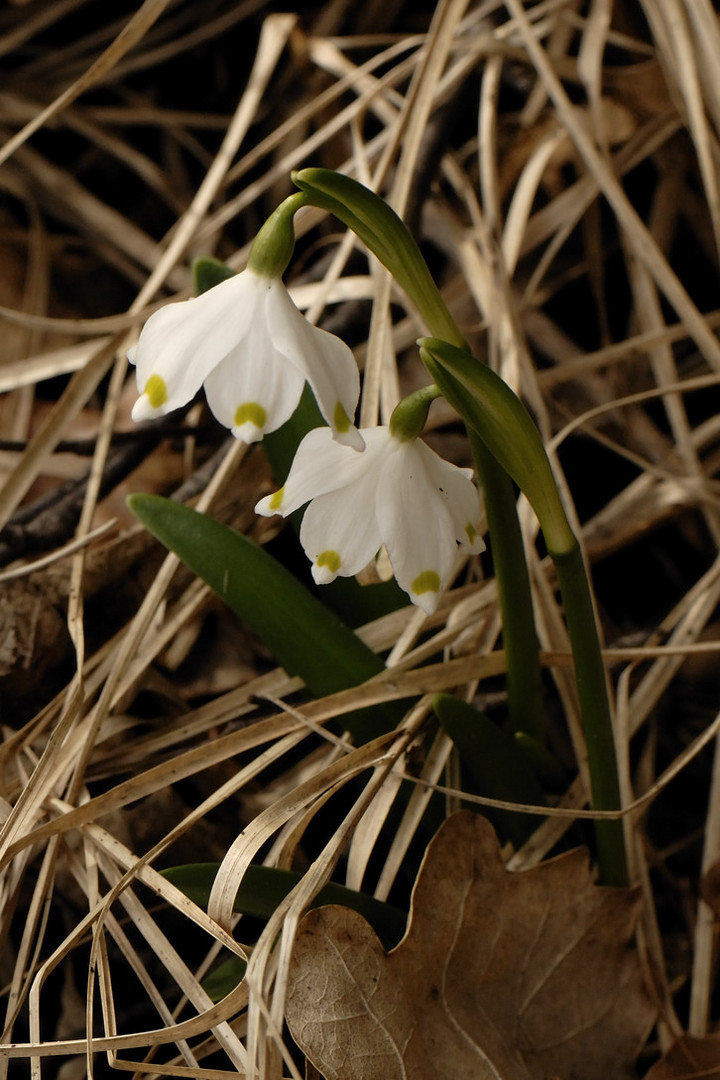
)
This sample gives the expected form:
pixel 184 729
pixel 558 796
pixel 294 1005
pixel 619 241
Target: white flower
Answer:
pixel 252 349
pixel 397 494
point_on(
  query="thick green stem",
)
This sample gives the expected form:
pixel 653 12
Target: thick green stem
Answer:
pixel 489 407
pixel 595 710
pixel 523 671
pixel 513 449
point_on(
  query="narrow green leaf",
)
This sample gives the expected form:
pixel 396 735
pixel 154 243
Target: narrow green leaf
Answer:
pixel 491 408
pixel 503 423
pixel 542 761
pixel 223 979
pixel 263 887
pixel 304 636
pixel 507 547
pixel 493 766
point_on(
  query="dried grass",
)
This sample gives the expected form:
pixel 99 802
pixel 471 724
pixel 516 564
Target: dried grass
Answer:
pixel 582 162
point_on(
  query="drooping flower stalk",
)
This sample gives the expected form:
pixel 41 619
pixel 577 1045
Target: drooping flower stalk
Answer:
pixel 491 409
pixel 249 346
pixel 383 232
pixel 509 434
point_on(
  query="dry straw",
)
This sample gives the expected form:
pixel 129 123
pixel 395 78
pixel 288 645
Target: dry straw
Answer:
pixel 519 204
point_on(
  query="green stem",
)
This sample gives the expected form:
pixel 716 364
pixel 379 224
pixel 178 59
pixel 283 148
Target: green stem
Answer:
pixel 386 235
pixel 513 449
pixel 595 710
pixel 523 671
pixel 489 407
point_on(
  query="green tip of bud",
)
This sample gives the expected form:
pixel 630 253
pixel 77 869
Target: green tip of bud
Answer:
pixel 330 559
pixel 250 412
pixel 409 416
pixel 273 246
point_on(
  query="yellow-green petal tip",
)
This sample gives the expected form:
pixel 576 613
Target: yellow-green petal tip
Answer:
pixel 250 412
pixel 329 559
pixel 428 581
pixel 155 391
pixel 341 420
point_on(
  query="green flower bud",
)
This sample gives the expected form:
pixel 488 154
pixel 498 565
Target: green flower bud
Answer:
pixel 273 246
pixel 410 415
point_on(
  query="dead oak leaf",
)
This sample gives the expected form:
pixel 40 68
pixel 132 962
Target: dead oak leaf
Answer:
pixel 690 1058
pixel 509 976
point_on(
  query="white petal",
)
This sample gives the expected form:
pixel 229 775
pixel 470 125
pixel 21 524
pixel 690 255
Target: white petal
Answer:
pixel 183 342
pixel 422 553
pixel 325 361
pixel 322 465
pixel 341 526
pixel 143 410
pixel 457 494
pixel 416 525
pixel 254 390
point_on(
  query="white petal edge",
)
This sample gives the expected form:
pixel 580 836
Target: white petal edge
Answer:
pixel 326 361
pixel 254 373
pixel 143 410
pixel 342 522
pixel 321 465
pixel 415 524
pixel 184 341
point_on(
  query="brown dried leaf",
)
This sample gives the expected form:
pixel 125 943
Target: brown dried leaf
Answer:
pixel 509 976
pixel 689 1057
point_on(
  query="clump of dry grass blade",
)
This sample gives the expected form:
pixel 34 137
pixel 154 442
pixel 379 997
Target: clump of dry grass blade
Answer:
pixel 559 161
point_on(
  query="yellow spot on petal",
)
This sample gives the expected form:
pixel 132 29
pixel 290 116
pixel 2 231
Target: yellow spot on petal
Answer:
pixel 331 559
pixel 471 533
pixel 276 499
pixel 428 581
pixel 250 413
pixel 341 420
pixel 156 391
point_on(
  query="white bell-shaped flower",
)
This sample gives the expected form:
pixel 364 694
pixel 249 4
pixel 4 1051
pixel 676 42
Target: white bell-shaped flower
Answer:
pixel 397 493
pixel 253 351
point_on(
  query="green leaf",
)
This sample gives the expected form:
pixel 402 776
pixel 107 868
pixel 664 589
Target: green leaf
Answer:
pixel 503 423
pixel 493 766
pixel 304 636
pixel 542 761
pixel 208 272
pixel 224 978
pixel 263 887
